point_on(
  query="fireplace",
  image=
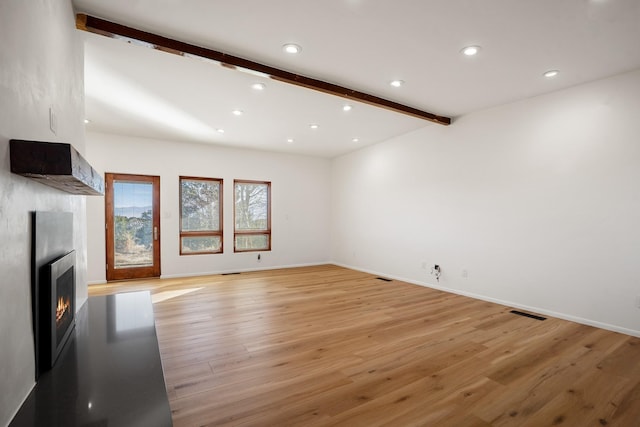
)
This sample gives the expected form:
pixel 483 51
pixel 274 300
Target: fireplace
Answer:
pixel 57 307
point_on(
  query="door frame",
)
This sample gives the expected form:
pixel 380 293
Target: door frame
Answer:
pixel 135 272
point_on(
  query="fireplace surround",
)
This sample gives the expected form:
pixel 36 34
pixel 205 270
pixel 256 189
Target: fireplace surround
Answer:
pixel 53 286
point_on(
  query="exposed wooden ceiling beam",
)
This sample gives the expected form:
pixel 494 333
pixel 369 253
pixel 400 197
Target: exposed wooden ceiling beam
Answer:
pixel 111 29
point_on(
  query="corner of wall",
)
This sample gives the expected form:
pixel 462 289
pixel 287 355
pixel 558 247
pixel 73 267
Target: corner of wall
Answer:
pixel 40 71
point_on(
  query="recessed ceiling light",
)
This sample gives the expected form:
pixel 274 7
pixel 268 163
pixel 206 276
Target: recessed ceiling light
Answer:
pixel 355 140
pixel 470 50
pixel 347 107
pixel 237 112
pixel 220 130
pixel 396 83
pixel 289 140
pixel 87 121
pixel 551 73
pixel 292 48
pixel 258 86
pixel 313 126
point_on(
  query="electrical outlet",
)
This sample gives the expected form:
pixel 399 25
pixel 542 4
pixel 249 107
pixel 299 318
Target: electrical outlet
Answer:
pixel 465 273
pixel 424 265
pixel 436 271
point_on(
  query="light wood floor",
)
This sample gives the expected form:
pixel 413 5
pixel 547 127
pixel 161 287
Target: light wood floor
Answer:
pixel 325 346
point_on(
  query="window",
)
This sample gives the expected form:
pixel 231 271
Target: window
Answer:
pixel 200 215
pixel 252 216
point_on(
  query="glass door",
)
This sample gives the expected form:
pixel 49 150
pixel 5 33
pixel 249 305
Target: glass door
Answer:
pixel 132 204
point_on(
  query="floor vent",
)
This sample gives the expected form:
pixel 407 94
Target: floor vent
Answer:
pixel 228 274
pixel 533 316
pixel 384 279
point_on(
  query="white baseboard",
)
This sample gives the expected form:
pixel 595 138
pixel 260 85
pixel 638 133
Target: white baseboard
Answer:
pixel 564 316
pixel 240 270
pixel 539 310
pixel 216 272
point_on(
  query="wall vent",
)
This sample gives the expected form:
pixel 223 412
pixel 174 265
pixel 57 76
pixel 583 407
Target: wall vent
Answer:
pixel 532 316
pixel 384 279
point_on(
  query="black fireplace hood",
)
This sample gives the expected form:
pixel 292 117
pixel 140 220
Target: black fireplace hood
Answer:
pixel 57 165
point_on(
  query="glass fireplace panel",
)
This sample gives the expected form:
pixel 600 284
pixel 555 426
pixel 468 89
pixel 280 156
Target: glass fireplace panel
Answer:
pixel 64 304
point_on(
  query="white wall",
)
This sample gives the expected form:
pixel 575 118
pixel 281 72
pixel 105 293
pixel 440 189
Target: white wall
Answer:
pixel 41 65
pixel 299 191
pixel 538 200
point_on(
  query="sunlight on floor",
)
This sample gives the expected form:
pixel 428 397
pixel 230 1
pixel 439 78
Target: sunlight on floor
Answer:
pixel 166 295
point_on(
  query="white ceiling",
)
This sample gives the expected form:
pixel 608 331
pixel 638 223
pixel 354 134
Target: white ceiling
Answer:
pixel 360 44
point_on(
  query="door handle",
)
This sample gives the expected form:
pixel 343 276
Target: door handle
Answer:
pixel 155 233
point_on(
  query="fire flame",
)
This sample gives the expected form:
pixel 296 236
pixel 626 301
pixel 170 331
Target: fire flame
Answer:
pixel 63 307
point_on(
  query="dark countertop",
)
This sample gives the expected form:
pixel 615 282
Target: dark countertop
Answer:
pixel 109 373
